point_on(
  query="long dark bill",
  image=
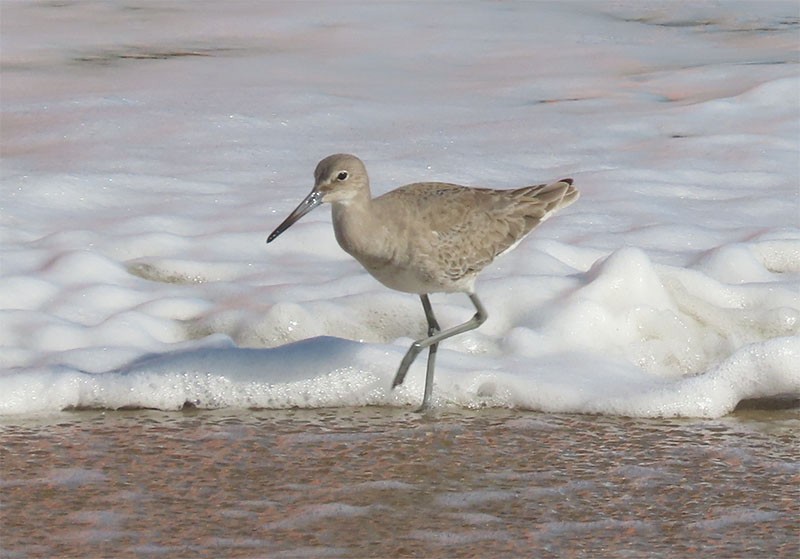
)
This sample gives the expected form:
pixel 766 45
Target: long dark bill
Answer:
pixel 309 203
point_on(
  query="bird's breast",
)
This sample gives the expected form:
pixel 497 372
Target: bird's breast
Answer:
pixel 395 255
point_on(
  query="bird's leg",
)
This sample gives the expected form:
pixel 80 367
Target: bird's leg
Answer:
pixel 434 339
pixel 433 328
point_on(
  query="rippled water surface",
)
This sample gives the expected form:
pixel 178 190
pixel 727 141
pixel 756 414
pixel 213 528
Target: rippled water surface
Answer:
pixel 379 482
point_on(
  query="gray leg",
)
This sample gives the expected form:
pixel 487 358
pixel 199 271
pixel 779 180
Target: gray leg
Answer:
pixel 434 339
pixel 433 328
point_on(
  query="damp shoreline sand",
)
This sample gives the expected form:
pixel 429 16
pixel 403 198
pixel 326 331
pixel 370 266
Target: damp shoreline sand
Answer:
pixel 383 482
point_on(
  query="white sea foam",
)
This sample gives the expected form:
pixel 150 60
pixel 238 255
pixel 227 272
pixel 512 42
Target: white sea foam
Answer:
pixel 144 163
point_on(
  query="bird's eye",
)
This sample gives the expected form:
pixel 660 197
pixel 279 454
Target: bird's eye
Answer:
pixel 342 176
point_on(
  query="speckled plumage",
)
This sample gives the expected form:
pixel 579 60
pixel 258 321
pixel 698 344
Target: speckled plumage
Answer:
pixel 436 237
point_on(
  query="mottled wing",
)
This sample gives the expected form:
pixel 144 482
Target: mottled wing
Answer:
pixel 466 228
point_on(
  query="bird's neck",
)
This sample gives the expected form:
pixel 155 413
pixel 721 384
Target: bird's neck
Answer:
pixel 356 225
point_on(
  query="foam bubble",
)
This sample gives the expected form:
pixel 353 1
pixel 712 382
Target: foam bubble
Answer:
pixel 135 269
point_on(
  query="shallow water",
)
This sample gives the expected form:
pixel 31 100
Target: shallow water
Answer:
pixel 382 482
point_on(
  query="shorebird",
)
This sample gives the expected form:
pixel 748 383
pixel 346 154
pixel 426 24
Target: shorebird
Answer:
pixel 427 237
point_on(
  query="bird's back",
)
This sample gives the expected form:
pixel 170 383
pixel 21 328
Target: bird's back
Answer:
pixel 448 233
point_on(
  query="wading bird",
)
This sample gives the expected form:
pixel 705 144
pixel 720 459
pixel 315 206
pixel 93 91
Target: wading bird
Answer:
pixel 427 237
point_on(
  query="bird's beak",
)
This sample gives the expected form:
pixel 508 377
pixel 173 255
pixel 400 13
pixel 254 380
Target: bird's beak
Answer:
pixel 309 203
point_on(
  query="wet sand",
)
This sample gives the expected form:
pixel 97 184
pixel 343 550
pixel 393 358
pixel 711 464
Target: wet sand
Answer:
pixel 378 482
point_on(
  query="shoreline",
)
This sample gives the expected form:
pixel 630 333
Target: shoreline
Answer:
pixel 378 482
